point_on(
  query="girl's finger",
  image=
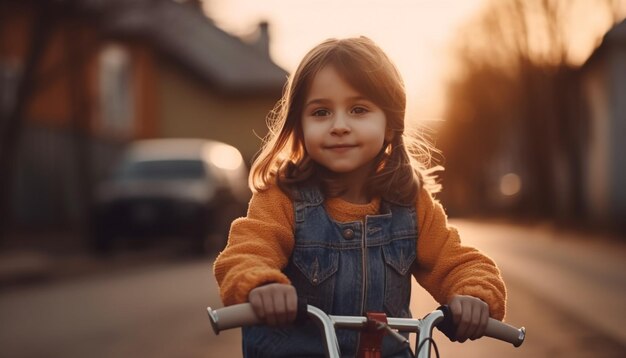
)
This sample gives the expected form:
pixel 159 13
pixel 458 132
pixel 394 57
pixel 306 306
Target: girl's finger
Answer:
pixel 457 310
pixel 466 318
pixel 280 309
pixel 484 318
pixel 291 302
pixel 474 325
pixel 268 306
pixel 257 305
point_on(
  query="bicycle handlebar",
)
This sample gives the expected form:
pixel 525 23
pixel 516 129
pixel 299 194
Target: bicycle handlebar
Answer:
pixel 243 315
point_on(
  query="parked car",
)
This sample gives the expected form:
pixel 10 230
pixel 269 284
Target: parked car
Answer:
pixel 177 188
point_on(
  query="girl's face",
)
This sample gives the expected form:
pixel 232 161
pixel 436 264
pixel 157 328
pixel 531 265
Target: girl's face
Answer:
pixel 343 130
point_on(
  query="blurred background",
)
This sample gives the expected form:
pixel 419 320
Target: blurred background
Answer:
pixel 127 128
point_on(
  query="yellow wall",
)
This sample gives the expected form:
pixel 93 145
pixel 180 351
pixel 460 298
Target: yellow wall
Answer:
pixel 188 108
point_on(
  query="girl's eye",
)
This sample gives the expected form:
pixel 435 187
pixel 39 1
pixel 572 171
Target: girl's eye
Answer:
pixel 321 113
pixel 359 110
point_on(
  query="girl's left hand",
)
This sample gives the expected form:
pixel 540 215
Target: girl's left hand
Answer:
pixel 470 315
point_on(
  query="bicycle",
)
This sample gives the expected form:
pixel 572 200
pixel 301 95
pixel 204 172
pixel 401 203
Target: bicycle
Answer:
pixel 374 326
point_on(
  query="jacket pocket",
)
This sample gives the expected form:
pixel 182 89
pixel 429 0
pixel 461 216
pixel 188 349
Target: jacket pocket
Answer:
pixel 314 275
pixel 399 257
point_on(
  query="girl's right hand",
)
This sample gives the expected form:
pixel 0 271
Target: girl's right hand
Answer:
pixel 275 303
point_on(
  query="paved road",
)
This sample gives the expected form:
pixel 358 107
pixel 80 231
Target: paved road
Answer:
pixel 568 290
pixel 582 275
pixel 155 311
pixel 556 288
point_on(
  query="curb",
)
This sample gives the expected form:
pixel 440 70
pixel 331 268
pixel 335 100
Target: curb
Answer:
pixel 24 266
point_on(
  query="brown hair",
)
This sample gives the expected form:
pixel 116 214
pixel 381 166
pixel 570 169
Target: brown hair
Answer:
pixel 396 176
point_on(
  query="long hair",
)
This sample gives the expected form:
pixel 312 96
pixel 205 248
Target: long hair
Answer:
pixel 396 175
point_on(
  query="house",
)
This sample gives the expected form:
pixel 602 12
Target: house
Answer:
pixel 603 87
pixel 107 72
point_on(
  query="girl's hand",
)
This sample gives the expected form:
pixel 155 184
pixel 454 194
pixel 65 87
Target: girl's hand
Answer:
pixel 275 303
pixel 470 316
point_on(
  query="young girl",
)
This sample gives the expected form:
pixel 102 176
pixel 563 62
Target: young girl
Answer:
pixel 342 217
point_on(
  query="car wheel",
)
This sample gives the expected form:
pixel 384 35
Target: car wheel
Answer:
pixel 102 243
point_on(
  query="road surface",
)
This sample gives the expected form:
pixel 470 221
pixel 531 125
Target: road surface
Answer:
pixel 567 291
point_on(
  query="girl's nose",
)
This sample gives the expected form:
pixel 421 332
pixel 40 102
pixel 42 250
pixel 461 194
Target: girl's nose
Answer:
pixel 340 125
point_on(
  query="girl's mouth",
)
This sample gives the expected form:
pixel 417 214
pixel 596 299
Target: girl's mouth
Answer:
pixel 340 148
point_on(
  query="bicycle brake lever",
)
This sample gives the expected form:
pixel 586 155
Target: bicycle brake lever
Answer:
pixel 394 334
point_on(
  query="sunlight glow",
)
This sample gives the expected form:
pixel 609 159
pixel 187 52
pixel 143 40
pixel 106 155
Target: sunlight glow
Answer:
pixel 225 157
pixel 510 184
pixel 418 35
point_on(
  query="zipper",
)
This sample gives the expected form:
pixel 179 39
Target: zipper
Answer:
pixel 364 266
pixel 364 275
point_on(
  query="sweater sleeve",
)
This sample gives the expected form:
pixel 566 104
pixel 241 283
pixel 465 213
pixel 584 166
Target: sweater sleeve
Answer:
pixel 446 268
pixel 259 246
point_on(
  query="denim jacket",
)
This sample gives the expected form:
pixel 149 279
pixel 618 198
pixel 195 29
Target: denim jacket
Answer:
pixel 344 269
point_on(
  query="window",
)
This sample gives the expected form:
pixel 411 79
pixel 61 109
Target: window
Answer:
pixel 10 72
pixel 162 170
pixel 116 92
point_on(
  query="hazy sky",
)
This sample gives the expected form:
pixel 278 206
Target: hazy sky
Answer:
pixel 416 34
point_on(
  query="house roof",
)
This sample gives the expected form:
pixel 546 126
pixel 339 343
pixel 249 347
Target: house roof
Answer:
pixel 617 33
pixel 615 36
pixel 189 36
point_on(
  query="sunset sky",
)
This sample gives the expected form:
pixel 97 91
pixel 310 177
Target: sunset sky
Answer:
pixel 416 34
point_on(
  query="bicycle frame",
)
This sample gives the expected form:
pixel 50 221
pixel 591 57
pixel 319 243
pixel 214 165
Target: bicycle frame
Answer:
pixel 243 315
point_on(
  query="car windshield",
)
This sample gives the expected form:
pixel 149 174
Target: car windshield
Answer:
pixel 162 170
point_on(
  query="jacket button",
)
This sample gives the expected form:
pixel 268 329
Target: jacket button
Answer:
pixel 348 234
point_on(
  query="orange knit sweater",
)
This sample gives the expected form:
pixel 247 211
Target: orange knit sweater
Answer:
pixel 260 244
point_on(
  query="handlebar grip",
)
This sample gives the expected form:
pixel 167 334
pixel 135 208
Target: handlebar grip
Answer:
pixel 242 314
pixel 232 317
pixel 505 332
pixel 495 329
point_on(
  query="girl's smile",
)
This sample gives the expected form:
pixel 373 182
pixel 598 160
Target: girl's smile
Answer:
pixel 340 148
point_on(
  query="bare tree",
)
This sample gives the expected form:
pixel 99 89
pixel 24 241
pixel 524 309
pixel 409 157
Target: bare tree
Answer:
pixel 49 16
pixel 11 119
pixel 520 77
